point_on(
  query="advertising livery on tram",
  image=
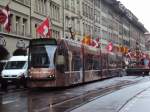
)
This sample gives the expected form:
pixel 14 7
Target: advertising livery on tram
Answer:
pixel 64 62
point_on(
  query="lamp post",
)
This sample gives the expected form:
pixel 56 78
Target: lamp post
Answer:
pixel 72 18
pixel 70 29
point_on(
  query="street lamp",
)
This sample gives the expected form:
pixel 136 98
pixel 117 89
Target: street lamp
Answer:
pixel 70 28
pixel 72 18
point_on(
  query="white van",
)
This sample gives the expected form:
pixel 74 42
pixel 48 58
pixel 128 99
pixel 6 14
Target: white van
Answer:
pixel 15 70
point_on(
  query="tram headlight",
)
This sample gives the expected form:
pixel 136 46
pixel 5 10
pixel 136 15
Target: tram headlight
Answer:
pixel 51 76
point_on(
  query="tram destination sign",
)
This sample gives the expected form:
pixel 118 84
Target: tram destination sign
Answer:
pixel 43 41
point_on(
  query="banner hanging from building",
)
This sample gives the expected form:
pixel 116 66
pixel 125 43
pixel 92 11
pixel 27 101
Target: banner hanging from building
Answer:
pixel 5 18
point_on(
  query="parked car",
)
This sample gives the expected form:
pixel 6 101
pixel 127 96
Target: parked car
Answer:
pixel 15 71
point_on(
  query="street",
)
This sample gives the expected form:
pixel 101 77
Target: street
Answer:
pixel 60 100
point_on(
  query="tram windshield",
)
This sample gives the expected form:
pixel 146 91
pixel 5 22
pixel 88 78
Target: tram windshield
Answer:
pixel 42 56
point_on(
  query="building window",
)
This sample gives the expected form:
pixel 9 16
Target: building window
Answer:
pixel 24 27
pixel 104 8
pixel 55 34
pixel 17 26
pixel 78 6
pixel 120 29
pixel 104 21
pixel 66 23
pixel 41 7
pixel 67 4
pixel 78 26
pixel 97 3
pixel 55 11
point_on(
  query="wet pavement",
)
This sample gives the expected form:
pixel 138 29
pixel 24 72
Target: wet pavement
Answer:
pixel 115 101
pixel 64 99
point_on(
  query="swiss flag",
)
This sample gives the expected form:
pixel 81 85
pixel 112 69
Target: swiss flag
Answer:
pixel 5 18
pixel 109 47
pixel 95 43
pixel 44 29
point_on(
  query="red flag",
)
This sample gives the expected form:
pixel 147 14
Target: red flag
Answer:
pixel 44 29
pixel 129 54
pixel 109 47
pixel 5 18
pixel 95 43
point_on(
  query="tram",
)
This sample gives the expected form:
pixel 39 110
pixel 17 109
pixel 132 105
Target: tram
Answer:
pixel 63 63
pixel 137 63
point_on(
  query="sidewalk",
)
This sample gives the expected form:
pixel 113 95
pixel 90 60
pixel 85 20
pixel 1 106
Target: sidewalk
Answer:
pixel 141 103
pixel 131 99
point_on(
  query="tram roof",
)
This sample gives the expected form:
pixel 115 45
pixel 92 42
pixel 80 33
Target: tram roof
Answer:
pixel 43 41
pixel 71 44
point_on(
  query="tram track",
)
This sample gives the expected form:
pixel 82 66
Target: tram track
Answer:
pixel 73 102
pixel 62 100
pixel 89 96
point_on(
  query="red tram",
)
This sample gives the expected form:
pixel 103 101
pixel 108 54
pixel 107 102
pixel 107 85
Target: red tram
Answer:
pixel 62 63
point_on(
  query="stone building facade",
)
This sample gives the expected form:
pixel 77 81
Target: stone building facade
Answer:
pixel 107 19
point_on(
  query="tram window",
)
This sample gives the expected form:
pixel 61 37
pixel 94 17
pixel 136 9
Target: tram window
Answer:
pixel 88 62
pixel 96 65
pixel 112 61
pixel 76 62
pixel 61 60
pixel 104 62
pixel 119 61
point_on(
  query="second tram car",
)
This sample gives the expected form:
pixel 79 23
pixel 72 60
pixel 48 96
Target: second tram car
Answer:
pixel 137 63
pixel 62 63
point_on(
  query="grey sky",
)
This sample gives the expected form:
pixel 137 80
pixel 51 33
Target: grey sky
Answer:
pixel 140 8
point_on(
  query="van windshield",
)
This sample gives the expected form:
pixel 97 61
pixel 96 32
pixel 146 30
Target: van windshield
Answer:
pixel 15 64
